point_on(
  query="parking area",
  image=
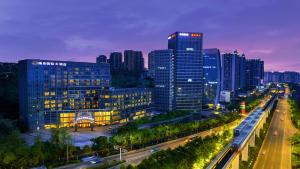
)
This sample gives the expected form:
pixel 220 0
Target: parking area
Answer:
pixel 80 138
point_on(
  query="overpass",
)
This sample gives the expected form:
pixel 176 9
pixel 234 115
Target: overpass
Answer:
pixel 244 137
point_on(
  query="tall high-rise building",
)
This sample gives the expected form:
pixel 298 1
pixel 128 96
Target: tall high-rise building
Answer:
pixel 163 75
pixel 234 72
pixel 133 61
pixel 255 73
pixel 101 59
pixel 151 64
pixel 188 70
pixel 115 61
pixel 242 62
pixel 212 76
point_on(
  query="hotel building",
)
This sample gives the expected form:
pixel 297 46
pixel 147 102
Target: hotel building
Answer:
pixel 68 94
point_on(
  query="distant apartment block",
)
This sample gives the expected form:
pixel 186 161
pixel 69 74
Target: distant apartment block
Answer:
pixel 133 61
pixel 115 61
pixel 280 77
pixel 254 73
pixel 234 72
pixel 101 59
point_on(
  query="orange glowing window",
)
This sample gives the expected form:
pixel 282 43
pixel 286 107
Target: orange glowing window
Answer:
pixel 196 34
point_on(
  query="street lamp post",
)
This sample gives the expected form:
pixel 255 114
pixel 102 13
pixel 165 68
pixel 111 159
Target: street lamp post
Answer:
pixel 120 154
pixel 67 151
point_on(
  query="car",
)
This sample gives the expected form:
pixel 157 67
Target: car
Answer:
pixel 154 150
pixel 97 161
pixel 263 152
pixel 275 133
pixel 88 158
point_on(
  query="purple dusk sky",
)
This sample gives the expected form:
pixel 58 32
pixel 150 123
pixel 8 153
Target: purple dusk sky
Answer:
pixel 79 30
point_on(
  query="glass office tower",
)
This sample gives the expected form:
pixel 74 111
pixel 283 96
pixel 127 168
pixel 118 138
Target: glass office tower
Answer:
pixel 188 70
pixel 212 76
pixel 162 67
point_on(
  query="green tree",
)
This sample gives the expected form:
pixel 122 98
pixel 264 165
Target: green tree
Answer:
pixel 61 139
pixel 101 146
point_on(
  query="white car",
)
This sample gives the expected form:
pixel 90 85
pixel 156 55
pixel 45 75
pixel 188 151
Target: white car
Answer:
pixel 97 161
pixel 154 150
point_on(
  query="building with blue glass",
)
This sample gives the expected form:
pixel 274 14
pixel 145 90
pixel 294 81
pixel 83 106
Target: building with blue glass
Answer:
pixel 162 69
pixel 254 73
pixel 212 76
pixel 65 94
pixel 188 70
pixel 234 72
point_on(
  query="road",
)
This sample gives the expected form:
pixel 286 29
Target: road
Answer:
pixel 275 152
pixel 136 156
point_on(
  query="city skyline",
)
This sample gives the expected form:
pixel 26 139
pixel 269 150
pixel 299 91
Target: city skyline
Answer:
pixel 79 31
pixel 150 84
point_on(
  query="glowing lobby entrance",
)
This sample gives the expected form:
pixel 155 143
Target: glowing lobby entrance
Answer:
pixel 84 123
pixel 84 120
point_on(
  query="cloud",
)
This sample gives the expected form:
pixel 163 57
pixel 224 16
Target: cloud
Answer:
pixel 80 30
pixel 261 51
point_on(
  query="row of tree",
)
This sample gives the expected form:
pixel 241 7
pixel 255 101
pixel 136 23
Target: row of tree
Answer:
pixel 146 120
pixel 294 102
pixel 195 154
pixel 138 138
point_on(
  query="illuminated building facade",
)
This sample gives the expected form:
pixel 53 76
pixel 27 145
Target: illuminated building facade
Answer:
pixel 63 94
pixel 212 76
pixel 127 104
pixel 188 70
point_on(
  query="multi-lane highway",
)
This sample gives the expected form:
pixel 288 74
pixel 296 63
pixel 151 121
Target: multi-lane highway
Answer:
pixel 275 152
pixel 136 156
